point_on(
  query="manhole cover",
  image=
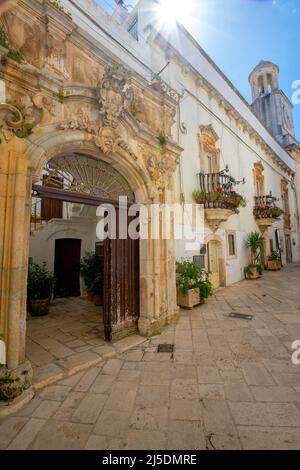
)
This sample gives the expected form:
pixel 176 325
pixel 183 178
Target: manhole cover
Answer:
pixel 165 348
pixel 242 316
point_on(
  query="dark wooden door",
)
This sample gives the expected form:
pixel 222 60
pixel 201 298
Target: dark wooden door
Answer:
pixel 52 208
pixel 121 287
pixel 67 267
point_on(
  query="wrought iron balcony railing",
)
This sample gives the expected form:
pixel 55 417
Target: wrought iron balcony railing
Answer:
pixel 217 191
pixel 265 207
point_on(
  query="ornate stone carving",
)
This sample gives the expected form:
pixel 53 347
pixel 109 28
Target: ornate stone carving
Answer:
pixel 106 140
pixel 114 95
pixel 208 145
pixel 11 119
pixel 20 118
pixel 216 217
pixel 83 123
pixel 161 165
pixel 109 141
pixel 42 101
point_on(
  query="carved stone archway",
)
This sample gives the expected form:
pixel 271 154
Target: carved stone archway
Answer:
pixel 100 121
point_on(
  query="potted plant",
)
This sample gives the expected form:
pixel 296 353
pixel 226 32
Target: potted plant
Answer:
pixel 255 243
pixel 199 197
pixel 87 272
pixel 274 261
pixel 193 284
pixel 40 285
pixel 91 269
pixel 157 84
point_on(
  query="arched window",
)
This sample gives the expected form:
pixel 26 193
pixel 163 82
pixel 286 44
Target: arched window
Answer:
pixel 259 179
pixel 209 153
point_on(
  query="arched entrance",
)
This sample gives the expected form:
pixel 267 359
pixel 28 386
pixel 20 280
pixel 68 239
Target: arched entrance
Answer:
pixel 97 122
pixel 71 188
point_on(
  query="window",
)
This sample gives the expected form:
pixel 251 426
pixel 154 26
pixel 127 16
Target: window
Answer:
pixel 133 28
pixel 231 244
pixel 271 245
pixel 199 261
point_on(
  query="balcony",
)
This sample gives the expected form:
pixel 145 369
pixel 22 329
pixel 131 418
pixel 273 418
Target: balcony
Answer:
pixel 218 197
pixel 265 211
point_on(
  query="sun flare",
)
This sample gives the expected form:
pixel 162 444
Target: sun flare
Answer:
pixel 171 11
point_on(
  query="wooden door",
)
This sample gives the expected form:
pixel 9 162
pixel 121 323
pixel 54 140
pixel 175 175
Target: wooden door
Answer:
pixel 213 261
pixel 67 267
pixel 121 287
pixel 289 253
pixel 52 208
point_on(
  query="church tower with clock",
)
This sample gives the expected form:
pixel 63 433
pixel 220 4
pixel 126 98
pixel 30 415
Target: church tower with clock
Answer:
pixel 270 103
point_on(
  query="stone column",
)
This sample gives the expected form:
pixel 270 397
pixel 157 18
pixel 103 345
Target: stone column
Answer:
pixel 14 239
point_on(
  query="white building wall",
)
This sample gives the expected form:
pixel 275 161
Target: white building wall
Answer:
pixel 198 107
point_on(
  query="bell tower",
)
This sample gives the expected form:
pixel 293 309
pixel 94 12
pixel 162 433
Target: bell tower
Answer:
pixel 270 103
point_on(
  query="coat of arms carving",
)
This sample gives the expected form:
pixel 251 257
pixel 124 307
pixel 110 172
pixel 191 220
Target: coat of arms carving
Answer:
pixel 114 95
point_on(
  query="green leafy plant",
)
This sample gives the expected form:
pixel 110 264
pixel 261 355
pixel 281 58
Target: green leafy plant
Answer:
pixel 162 139
pixel 260 268
pixel 276 212
pixel 4 42
pixel 40 282
pixel 61 96
pixel 255 243
pixel 274 256
pixel 223 198
pixel 25 131
pixel 16 55
pixel 248 270
pixel 189 276
pixel 92 271
pixel 13 54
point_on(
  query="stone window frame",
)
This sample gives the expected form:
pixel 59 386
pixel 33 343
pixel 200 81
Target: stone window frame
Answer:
pixel 233 234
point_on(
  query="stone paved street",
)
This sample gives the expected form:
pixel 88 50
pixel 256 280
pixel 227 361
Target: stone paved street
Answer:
pixel 230 383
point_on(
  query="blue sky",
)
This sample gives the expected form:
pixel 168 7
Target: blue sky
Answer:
pixel 237 34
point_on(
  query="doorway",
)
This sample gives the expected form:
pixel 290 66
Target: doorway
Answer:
pixel 288 246
pixel 84 185
pixel 213 263
pixel 67 267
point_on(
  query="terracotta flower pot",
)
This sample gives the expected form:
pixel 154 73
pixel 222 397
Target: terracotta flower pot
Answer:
pixel 90 296
pixel 40 307
pixel 157 87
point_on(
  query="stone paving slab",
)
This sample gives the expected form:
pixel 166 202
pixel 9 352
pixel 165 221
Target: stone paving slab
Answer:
pixel 230 384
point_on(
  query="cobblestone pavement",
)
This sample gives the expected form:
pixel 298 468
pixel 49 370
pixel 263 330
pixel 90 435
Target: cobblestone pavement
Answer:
pixel 230 383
